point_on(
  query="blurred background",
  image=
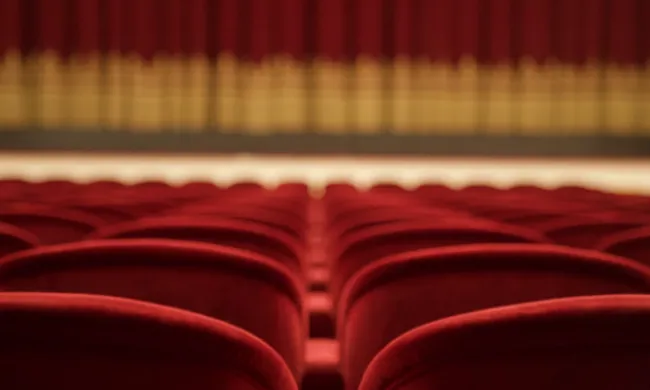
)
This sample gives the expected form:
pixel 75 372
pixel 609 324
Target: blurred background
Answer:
pixel 418 78
pixel 326 136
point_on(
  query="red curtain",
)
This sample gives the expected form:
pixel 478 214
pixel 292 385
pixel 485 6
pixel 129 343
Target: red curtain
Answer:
pixel 404 31
pixel 465 56
pixel 331 33
pixel 535 35
pixel 367 34
pixel 289 108
pixel 643 20
pixel 403 47
pixel 622 80
pixel 467 16
pixel 591 30
pixel 171 45
pixel 195 48
pixel 564 49
pixel 87 27
pixel 599 48
pixel 622 32
pixel 146 33
pixel 290 26
pixel 589 55
pixel 84 70
pixel 227 24
pixel 534 40
pixel 116 45
pixel 256 81
pixel 562 30
pixel 52 24
pixel 644 59
pixel 149 70
pixel 195 27
pixel 173 20
pixel 258 30
pixel 438 36
pixel 498 40
pixel 10 26
pixel 115 27
pixel 497 53
pixel 436 39
pixel 52 47
pixel 368 52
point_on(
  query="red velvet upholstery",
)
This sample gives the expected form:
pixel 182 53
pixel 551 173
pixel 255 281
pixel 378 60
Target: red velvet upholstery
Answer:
pixel 368 218
pixel 532 220
pixel 242 288
pixel 238 234
pixel 106 213
pixel 595 343
pixel 81 342
pixel 633 244
pixel 587 234
pixel 294 188
pixel 13 239
pixel 52 226
pixel 404 291
pixel 293 207
pixel 200 188
pixel 372 244
pixel 247 186
pixel 272 218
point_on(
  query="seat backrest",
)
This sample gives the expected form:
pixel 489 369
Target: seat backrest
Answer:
pixel 80 342
pixel 408 290
pixel 267 217
pixel 239 287
pixel 13 239
pixel 365 218
pixel 596 343
pixel 254 237
pixel 373 244
pixel 633 244
pixel 52 226
pixel 587 234
pixel 106 213
pixel 533 220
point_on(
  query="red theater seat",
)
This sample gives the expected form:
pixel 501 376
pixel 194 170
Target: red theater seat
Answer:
pixel 595 343
pixel 251 186
pixel 293 188
pixel 582 234
pixel 404 291
pixel 533 220
pixel 237 234
pixel 375 216
pixel 13 239
pixel 370 245
pixel 269 217
pixel 102 186
pixel 107 213
pixel 200 188
pixel 81 342
pixel 633 244
pixel 242 288
pixel 52 226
